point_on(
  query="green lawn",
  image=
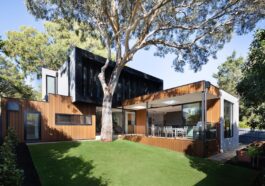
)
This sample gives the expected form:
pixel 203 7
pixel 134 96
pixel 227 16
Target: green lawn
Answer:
pixel 127 163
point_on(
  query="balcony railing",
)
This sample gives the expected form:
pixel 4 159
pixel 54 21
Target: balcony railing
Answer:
pixel 191 132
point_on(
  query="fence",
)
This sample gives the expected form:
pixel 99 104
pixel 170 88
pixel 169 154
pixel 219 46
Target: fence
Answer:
pixel 248 135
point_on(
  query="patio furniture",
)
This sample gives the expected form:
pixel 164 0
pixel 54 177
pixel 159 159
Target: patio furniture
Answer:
pixel 153 130
pixel 158 130
pixel 185 131
pixel 168 131
pixel 180 132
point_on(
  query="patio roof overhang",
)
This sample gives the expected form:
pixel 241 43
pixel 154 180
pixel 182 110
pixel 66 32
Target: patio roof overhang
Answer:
pixel 175 96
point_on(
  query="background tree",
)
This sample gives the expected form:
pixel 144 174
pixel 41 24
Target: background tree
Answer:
pixel 31 49
pixel 251 88
pixel 228 76
pixel 12 81
pixel 191 30
pixel 230 73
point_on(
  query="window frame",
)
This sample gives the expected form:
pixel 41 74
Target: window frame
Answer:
pixel 231 133
pixel 26 123
pixel 74 124
pixel 183 117
pixel 55 84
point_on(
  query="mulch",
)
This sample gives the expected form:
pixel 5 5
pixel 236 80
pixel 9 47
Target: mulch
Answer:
pixel 31 177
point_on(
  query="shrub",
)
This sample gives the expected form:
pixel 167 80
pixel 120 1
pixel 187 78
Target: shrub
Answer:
pixel 10 175
pixel 243 124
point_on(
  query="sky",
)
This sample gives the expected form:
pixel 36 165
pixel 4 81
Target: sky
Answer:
pixel 13 14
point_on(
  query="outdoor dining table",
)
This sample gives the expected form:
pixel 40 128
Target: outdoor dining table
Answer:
pixel 178 131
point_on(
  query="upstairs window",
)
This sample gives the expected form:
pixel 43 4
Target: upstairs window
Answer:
pixel 73 119
pixel 50 85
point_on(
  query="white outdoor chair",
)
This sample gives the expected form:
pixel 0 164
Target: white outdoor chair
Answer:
pixel 185 131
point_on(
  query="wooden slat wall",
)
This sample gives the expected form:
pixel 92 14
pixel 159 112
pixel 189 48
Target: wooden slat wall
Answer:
pixel 213 116
pixel 187 146
pixel 140 127
pixel 50 131
pixel 213 110
pixel 181 90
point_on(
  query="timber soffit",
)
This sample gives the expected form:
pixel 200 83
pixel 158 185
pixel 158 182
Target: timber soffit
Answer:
pixel 175 91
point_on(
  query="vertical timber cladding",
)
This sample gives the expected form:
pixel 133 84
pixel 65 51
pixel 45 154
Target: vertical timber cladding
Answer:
pixel 49 130
pixel 131 83
pixel 214 116
pixel 140 117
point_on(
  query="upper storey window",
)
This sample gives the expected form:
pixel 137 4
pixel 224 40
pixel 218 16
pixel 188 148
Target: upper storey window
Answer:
pixel 50 85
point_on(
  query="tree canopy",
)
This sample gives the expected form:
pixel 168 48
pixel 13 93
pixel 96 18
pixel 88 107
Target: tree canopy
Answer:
pixel 192 30
pixel 230 73
pixel 251 88
pixel 32 49
pixel 12 81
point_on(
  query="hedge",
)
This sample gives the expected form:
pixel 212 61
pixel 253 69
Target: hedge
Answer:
pixel 10 175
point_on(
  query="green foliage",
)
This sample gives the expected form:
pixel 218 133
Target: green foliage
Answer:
pixel 10 175
pixel 229 74
pixel 31 49
pixel 243 124
pixel 251 88
pixel 254 151
pixel 12 81
pixel 190 30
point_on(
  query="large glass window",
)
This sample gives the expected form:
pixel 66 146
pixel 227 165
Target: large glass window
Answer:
pixel 32 126
pixel 71 119
pixel 117 121
pixel 51 85
pixel 191 113
pixel 228 119
pixel 130 122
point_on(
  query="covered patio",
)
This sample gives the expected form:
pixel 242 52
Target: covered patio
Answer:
pixel 189 114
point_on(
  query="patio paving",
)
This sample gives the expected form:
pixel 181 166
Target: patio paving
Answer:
pixel 226 156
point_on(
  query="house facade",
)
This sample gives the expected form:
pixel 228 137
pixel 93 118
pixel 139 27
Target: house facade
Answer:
pixel 196 117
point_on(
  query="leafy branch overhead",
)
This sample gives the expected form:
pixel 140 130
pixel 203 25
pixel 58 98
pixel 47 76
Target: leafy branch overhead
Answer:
pixel 192 30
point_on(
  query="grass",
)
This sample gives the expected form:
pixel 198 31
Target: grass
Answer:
pixel 127 163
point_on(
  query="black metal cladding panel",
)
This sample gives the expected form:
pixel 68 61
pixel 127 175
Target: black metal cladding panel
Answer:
pixel 132 83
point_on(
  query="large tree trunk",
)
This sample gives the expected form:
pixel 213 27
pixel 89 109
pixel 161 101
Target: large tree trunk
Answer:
pixel 106 121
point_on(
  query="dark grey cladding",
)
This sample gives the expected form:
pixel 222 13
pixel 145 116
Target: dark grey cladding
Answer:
pixel 87 88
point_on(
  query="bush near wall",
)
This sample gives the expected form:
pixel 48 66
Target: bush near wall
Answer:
pixel 10 175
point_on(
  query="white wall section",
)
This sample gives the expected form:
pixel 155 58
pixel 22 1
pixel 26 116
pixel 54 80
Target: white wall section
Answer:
pixel 233 142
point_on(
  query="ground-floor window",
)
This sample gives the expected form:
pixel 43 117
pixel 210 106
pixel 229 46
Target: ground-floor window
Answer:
pixel 73 119
pixel 32 130
pixel 228 119
pixel 191 113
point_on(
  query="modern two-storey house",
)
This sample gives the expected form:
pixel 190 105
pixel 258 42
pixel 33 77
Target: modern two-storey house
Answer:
pixel 197 118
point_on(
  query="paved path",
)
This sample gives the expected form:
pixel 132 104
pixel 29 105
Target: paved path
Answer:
pixel 226 156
